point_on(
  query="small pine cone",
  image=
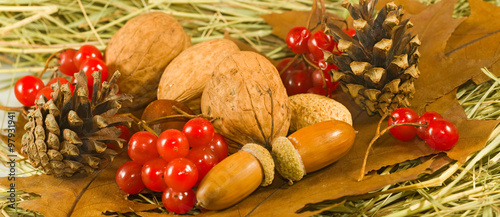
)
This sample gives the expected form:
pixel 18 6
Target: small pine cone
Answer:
pixel 378 66
pixel 68 134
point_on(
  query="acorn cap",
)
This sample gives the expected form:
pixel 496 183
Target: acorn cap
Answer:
pixel 265 159
pixel 287 159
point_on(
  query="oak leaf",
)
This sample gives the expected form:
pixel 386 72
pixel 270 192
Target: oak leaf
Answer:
pixel 78 196
pixel 477 38
pixel 453 49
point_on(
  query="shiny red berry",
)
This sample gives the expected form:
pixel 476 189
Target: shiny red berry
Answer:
pixel 320 42
pixel 26 89
pixel 426 117
pixel 128 177
pixel 152 174
pixel 92 65
pixel 442 135
pixel 66 62
pixel 403 115
pixel 298 82
pixel 46 91
pixel 86 52
pixel 179 202
pixel 350 31
pixel 297 39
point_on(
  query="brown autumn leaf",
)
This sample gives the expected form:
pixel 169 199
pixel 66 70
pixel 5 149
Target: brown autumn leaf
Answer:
pixel 477 37
pixel 445 66
pixel 61 196
pixel 283 22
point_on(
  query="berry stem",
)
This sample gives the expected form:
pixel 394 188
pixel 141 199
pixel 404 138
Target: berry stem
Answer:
pixel 48 61
pixel 313 9
pixel 310 63
pixel 377 136
pixel 288 64
pixel 142 124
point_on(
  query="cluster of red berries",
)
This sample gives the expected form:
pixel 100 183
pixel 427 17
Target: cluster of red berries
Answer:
pixel 87 59
pixel 173 163
pixel 298 78
pixel 437 132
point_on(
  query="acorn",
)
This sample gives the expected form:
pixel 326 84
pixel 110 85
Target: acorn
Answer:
pixel 312 148
pixel 236 177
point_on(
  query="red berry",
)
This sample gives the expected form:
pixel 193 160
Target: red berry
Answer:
pixel 427 117
pixel 26 89
pixel 312 58
pixel 318 42
pixel 54 80
pixel 86 52
pixel 66 62
pixel 297 39
pixel 152 174
pixel 128 177
pixel 298 82
pixel 350 31
pixel 46 91
pixel 294 66
pixel 219 146
pixel 92 65
pixel 125 133
pixel 403 115
pixel 142 147
pixel 442 135
pixel 178 202
pixel 319 77
pixel 172 144
pixel 199 132
pixel 297 64
pixel 181 174
pixel 204 159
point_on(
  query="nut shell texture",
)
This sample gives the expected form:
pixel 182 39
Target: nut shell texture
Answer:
pixel 186 76
pixel 265 159
pixel 288 161
pixel 141 50
pixel 248 98
pixel 308 109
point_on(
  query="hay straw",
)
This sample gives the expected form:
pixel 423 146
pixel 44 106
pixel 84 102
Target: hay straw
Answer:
pixel 35 29
pixel 31 30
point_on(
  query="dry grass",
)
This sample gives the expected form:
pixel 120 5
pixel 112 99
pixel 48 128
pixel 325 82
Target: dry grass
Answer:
pixel 31 30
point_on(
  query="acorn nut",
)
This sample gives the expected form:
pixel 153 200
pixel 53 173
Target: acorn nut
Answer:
pixel 236 177
pixel 312 148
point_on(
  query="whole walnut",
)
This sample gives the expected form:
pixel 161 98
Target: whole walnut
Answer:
pixel 141 50
pixel 247 97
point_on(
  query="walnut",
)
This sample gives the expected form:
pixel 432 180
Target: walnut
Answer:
pixel 247 96
pixel 141 50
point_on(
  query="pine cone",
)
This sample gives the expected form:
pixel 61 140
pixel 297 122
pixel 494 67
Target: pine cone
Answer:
pixel 378 65
pixel 68 134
